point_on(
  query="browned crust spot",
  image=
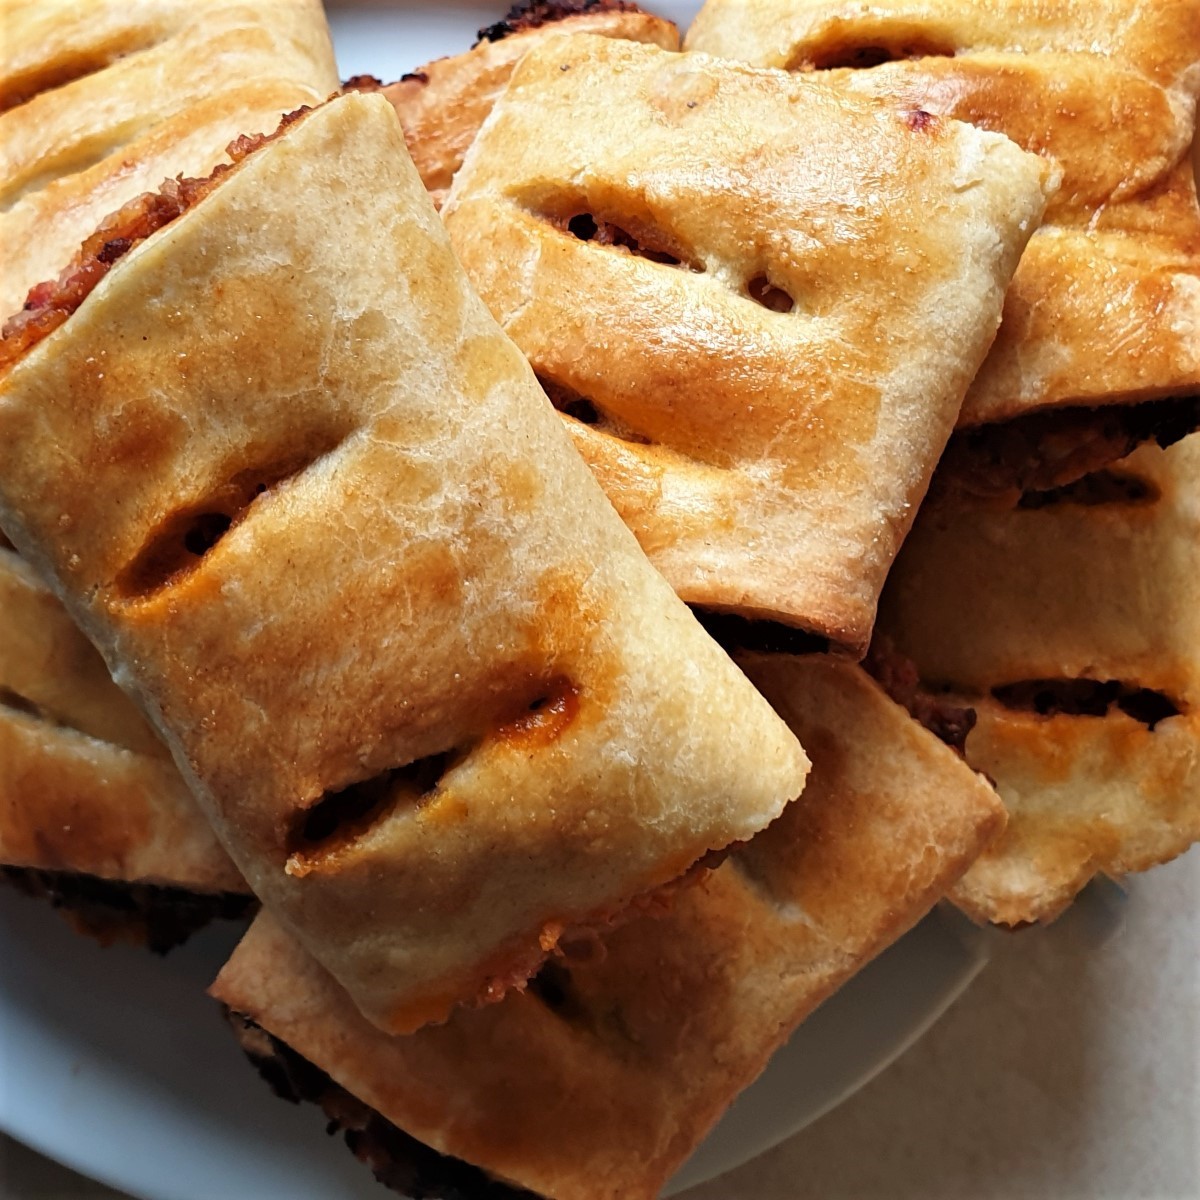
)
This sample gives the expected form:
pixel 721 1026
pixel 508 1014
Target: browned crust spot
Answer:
pixel 898 676
pixel 159 918
pixel 396 1159
pixel 372 83
pixel 1052 448
pixel 49 304
pixel 534 13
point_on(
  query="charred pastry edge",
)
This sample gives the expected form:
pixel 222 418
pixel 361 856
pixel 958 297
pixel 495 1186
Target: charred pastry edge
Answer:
pixel 396 1159
pixel 160 917
pixel 532 14
pixel 1052 448
pixel 53 302
pixel 950 722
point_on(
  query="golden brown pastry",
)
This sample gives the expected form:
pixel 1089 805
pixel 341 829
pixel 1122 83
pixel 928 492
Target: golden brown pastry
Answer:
pixel 602 1077
pixel 99 102
pixel 289 475
pixel 1072 624
pixel 1105 308
pixel 442 105
pixel 726 280
pixel 85 785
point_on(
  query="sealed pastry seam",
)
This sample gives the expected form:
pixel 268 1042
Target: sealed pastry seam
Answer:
pixel 415 586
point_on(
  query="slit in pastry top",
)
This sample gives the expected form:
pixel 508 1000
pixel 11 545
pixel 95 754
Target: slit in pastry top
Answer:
pixel 1104 311
pixel 734 271
pixel 313 508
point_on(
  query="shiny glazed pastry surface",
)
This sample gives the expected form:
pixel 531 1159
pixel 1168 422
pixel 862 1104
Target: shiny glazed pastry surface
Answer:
pixel 307 498
pixel 757 300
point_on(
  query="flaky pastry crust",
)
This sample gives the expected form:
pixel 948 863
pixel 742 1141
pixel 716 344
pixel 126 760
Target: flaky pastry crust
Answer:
pixel 309 501
pixel 1105 308
pixel 99 102
pixel 726 280
pixel 442 104
pixel 85 785
pixel 1071 624
pixel 598 1081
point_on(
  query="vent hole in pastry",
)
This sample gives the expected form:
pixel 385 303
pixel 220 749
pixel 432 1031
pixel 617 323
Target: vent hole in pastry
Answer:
pixel 1100 487
pixel 647 244
pixel 862 53
pixel 27 85
pixel 545 718
pixel 185 538
pixel 15 702
pixel 571 404
pixel 1087 698
pixel 638 238
pixel 555 988
pixel 345 815
pixel 762 291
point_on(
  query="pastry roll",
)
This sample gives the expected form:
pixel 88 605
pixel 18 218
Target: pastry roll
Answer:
pixel 442 104
pixel 1071 624
pixel 1100 345
pixel 100 102
pixel 309 502
pixel 92 810
pixel 602 1077
pixel 724 278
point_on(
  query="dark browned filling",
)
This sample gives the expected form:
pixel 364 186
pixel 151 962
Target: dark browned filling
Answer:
pixel 1105 486
pixel 642 242
pixel 1050 449
pixel 948 720
pixel 761 290
pixel 342 816
pixel 160 918
pixel 734 632
pixel 49 304
pixel 372 83
pixel 397 1160
pixel 584 410
pixel 863 53
pixel 534 13
pixel 1087 698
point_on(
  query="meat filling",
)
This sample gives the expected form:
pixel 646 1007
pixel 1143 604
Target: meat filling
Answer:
pixel 1087 698
pixel 397 1160
pixel 1051 449
pixel 534 13
pixel 898 676
pixel 49 304
pixel 159 918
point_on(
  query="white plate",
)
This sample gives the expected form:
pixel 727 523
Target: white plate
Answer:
pixel 116 1064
